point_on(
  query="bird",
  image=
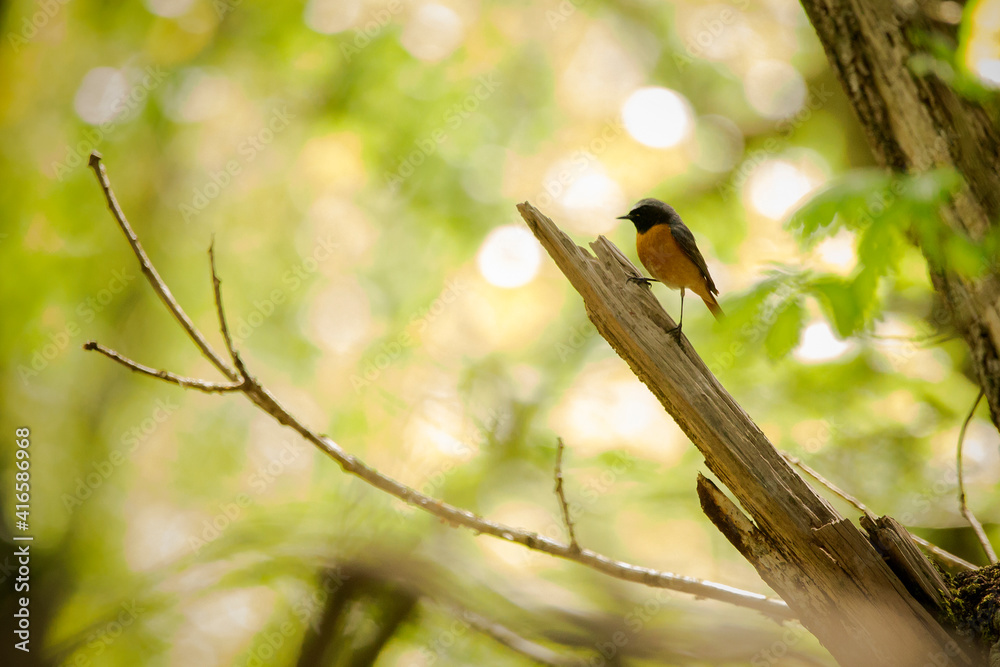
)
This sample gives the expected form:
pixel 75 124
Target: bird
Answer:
pixel 667 249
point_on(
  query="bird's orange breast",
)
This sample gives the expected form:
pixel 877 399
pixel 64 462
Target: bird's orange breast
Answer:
pixel 667 262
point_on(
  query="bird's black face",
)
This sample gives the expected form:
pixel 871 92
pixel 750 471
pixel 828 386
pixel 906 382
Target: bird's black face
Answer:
pixel 649 213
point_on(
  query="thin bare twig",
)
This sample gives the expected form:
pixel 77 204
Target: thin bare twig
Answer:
pixel 561 495
pixel 933 549
pixel 263 399
pixel 223 325
pixel 152 276
pixel 166 376
pixel 507 637
pixel 926 340
pixel 963 507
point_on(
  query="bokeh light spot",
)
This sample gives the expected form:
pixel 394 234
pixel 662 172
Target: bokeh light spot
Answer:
pixel 837 252
pixel 818 344
pixel 657 117
pixel 331 16
pixel 718 144
pixel 169 8
pixel 774 89
pixel 776 186
pixel 99 97
pixel 433 33
pixel 982 49
pixel 509 257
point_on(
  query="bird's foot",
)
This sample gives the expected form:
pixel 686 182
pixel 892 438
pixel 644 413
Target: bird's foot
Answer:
pixel 642 279
pixel 676 333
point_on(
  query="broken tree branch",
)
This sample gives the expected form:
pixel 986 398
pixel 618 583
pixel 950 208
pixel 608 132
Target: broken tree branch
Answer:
pixel 820 563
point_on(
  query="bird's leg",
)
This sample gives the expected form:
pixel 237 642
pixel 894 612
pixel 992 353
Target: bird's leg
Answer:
pixel 676 331
pixel 641 279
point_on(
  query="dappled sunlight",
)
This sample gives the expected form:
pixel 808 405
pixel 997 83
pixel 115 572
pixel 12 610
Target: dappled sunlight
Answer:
pixel 774 89
pixel 585 192
pixel 819 344
pixel 432 32
pixel 608 408
pixel 776 186
pixel 982 50
pixel 509 257
pixel 202 95
pixel 340 318
pixel 332 16
pixel 216 626
pixel 718 144
pixel 99 97
pixel 657 117
pixel 355 166
pixel 836 253
pixel 157 533
pixel 601 71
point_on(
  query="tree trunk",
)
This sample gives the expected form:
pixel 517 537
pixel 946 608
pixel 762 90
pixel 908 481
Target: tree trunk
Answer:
pixel 917 122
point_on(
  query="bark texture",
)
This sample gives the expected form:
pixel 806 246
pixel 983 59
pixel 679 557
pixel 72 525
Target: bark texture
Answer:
pixel 915 121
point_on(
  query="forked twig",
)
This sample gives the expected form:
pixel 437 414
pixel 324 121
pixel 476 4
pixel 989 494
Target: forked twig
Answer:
pixel 223 325
pixel 506 637
pixel 561 495
pixel 166 376
pixel 962 505
pixel 262 398
pixel 155 281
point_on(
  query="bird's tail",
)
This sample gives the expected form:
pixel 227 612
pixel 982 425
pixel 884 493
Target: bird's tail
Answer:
pixel 714 306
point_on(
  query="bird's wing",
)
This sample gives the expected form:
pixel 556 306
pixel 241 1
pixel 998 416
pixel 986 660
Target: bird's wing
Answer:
pixel 685 239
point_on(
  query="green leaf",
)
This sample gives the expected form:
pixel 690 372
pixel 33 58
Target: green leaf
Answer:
pixel 843 204
pixel 864 197
pixel 748 308
pixel 784 333
pixel 964 257
pixel 838 300
pixel 931 189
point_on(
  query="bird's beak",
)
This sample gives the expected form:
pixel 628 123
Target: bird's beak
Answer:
pixel 623 217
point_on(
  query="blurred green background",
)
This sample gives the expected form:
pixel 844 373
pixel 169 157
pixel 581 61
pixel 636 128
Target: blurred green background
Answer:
pixel 357 164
